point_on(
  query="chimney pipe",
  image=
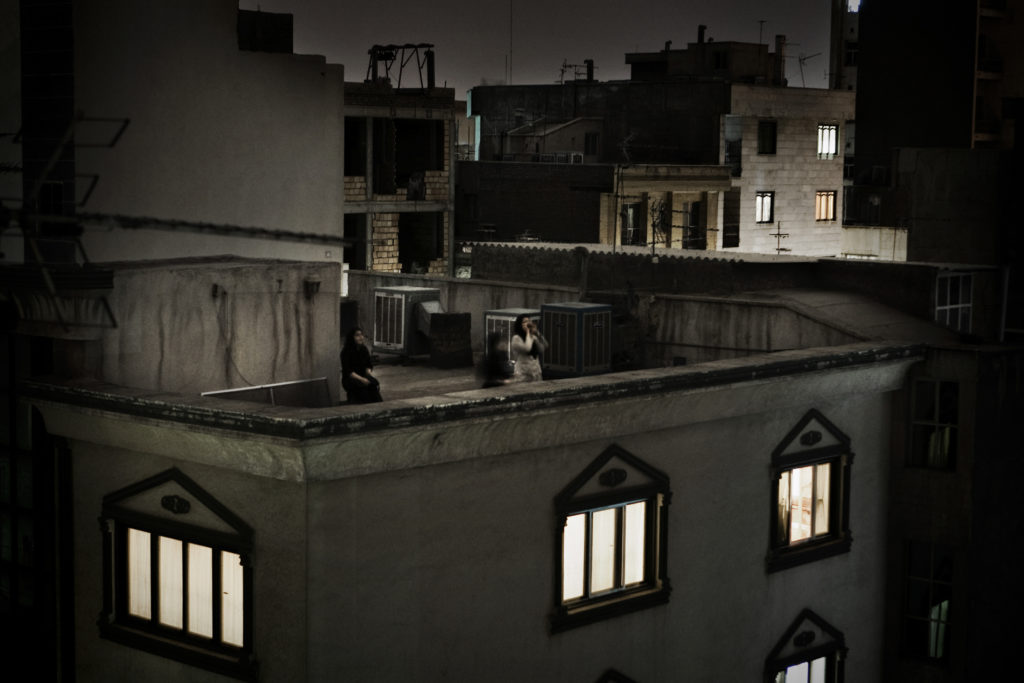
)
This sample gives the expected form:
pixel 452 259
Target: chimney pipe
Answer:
pixel 590 70
pixel 700 32
pixel 779 75
pixel 668 45
pixel 430 69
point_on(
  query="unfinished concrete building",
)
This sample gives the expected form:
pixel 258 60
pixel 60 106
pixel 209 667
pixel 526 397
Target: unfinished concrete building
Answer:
pixel 399 146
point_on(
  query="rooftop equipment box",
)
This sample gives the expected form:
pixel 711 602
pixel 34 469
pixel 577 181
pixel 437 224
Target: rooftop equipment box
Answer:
pixel 579 338
pixel 396 315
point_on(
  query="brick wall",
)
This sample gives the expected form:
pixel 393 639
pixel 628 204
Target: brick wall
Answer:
pixel 355 188
pixel 385 243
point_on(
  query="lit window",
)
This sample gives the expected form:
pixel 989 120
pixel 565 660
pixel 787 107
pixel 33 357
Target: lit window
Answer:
pixel 810 651
pixel 933 436
pixel 173 588
pixel 810 494
pixel 929 590
pixel 825 205
pixel 611 540
pixel 764 207
pixel 828 140
pixel 766 136
pixel 953 300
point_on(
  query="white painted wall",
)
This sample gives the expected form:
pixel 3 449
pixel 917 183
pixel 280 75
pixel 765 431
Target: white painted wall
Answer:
pixel 217 135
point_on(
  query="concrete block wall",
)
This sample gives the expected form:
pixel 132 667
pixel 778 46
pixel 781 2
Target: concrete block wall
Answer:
pixel 794 173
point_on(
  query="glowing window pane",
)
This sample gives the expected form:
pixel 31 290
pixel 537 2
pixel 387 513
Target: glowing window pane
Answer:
pixel 602 550
pixel 231 584
pixel 139 573
pixel 635 523
pixel 573 538
pixel 821 500
pixel 797 673
pixel 818 670
pixel 169 550
pixel 200 590
pixel 800 504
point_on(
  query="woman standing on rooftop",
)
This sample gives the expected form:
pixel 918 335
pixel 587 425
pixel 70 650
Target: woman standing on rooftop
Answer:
pixel 527 346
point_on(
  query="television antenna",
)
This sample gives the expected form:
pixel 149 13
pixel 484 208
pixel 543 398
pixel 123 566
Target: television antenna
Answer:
pixel 801 60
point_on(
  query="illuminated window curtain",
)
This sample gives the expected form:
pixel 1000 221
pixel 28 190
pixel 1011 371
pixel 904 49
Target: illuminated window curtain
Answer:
pixel 200 590
pixel 804 672
pixel 763 207
pixel 139 574
pixel 170 578
pixel 602 550
pixel 821 500
pixel 635 524
pixel 573 539
pixel 232 599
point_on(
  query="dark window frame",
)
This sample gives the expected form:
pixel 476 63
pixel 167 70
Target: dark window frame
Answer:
pixel 656 587
pixel 115 622
pixel 820 195
pixel 782 553
pixel 770 194
pixel 925 426
pixel 767 136
pixel 934 585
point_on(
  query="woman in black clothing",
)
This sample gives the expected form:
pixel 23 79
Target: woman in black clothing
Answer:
pixel 357 369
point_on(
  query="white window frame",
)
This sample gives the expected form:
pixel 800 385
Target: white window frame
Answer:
pixel 828 140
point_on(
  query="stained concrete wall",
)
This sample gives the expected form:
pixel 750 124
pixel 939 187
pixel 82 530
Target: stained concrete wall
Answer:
pixel 192 327
pixel 216 135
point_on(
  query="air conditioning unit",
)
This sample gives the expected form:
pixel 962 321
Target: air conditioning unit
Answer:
pixel 500 321
pixel 576 158
pixel 579 338
pixel 398 313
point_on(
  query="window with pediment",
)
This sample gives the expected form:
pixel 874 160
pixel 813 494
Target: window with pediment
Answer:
pixel 810 493
pixel 810 651
pixel 177 575
pixel 611 540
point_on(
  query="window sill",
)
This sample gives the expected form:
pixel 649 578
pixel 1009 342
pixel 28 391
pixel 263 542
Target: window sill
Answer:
pixel 598 609
pixel 793 556
pixel 239 666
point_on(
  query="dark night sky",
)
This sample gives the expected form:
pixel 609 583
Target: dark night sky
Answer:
pixel 471 40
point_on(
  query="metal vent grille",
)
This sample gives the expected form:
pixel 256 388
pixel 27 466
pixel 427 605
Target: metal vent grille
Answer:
pixel 389 321
pixel 596 354
pixel 560 330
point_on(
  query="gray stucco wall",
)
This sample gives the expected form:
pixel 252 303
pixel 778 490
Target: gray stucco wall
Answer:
pixel 427 552
pixel 216 135
pixel 274 508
